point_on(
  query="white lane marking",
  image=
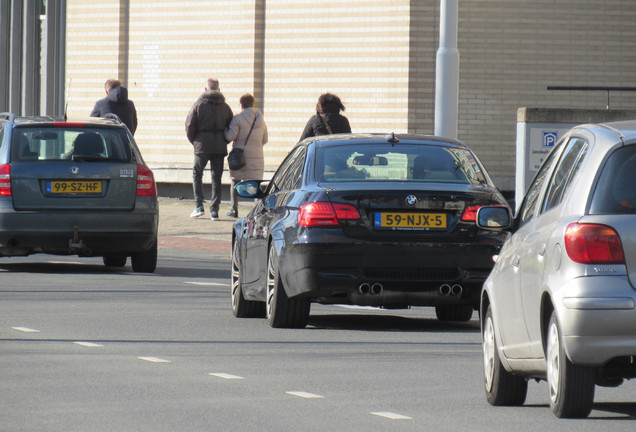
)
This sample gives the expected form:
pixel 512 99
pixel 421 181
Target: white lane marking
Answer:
pixel 355 307
pixel 26 329
pixel 392 416
pixel 88 344
pixel 67 262
pixel 154 359
pixel 207 283
pixel 304 395
pixel 226 376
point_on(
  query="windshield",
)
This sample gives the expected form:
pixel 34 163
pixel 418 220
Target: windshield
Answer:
pixel 51 143
pixel 404 162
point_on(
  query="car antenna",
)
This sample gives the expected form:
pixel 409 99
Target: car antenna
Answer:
pixel 393 140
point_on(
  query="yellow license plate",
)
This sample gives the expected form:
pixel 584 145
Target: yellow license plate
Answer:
pixel 392 220
pixel 74 187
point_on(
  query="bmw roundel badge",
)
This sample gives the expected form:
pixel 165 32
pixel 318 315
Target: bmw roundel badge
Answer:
pixel 411 200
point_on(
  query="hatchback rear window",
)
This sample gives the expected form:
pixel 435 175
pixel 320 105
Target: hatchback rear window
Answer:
pixel 616 188
pixel 77 144
pixel 403 162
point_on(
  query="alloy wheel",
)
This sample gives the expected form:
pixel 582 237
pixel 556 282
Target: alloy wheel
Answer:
pixel 488 346
pixel 553 359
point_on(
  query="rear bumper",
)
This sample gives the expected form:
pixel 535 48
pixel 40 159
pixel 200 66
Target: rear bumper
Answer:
pixel 78 233
pixel 404 274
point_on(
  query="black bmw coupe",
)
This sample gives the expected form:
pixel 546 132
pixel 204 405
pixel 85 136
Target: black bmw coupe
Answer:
pixel 366 219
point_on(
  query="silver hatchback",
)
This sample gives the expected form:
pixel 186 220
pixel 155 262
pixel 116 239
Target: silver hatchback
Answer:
pixel 76 188
pixel 559 304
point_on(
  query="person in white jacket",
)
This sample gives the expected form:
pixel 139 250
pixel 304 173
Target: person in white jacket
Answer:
pixel 249 132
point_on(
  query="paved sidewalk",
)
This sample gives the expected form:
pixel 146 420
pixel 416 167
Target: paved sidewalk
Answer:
pixel 178 230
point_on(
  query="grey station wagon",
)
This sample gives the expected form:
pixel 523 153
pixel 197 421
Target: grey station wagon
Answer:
pixel 76 188
pixel 560 303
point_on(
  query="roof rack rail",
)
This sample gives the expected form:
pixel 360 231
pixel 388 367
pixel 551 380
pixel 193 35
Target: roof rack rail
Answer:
pixel 8 116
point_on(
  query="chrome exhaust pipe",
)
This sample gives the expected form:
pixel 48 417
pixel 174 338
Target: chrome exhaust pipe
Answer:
pixel 457 289
pixel 364 288
pixel 445 289
pixel 376 288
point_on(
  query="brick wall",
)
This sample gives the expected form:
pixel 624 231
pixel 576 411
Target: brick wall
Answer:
pixel 377 55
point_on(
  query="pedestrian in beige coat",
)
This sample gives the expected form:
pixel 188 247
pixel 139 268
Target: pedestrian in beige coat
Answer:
pixel 249 132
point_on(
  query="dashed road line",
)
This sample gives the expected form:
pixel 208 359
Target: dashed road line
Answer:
pixel 26 329
pixel 88 344
pixel 154 359
pixel 305 395
pixel 392 416
pixel 226 376
pixel 207 283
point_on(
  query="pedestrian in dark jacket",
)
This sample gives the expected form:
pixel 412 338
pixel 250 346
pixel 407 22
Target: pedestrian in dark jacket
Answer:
pixel 117 102
pixel 205 127
pixel 327 119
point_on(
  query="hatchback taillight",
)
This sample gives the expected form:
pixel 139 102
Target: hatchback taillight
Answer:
pixel 5 180
pixel 145 182
pixel 593 244
pixel 325 214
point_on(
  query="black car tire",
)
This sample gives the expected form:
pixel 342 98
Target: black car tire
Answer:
pixel 145 262
pixel 242 308
pixel 502 387
pixel 454 312
pixel 115 260
pixel 571 387
pixel 281 311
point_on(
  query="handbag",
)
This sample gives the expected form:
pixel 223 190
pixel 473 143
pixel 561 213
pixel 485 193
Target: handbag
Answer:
pixel 236 158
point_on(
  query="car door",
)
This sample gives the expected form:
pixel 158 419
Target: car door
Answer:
pixel 267 211
pixel 512 260
pixel 537 253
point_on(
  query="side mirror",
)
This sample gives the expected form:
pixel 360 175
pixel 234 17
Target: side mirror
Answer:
pixel 249 189
pixel 494 217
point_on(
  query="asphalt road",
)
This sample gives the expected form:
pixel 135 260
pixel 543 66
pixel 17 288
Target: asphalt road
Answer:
pixel 85 348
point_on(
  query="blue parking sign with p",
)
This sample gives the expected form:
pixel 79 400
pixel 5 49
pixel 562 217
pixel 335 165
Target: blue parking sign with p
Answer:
pixel 550 138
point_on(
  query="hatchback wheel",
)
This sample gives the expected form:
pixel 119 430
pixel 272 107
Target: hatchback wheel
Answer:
pixel 571 386
pixel 502 387
pixel 281 311
pixel 115 260
pixel 145 262
pixel 454 313
pixel 242 308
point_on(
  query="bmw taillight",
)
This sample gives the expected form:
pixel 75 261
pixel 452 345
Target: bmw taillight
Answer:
pixel 325 214
pixel 593 244
pixel 5 180
pixel 470 214
pixel 145 182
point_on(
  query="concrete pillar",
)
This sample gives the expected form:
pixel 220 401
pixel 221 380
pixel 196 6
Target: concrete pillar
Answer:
pixel 447 72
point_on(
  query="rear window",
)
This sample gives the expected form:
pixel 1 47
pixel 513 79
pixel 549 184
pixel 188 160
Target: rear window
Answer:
pixel 616 188
pixel 77 144
pixel 399 163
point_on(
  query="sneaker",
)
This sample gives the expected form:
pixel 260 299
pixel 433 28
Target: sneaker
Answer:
pixel 214 215
pixel 197 212
pixel 233 214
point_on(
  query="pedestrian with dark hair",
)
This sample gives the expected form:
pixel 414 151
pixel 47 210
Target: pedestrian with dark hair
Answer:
pixel 205 127
pixel 117 102
pixel 327 119
pixel 249 133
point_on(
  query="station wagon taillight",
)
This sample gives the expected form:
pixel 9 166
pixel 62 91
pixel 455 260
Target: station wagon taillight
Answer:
pixel 5 180
pixel 593 244
pixel 325 214
pixel 145 182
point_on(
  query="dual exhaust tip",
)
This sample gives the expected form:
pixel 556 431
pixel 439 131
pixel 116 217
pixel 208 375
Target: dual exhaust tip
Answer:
pixel 366 288
pixel 448 290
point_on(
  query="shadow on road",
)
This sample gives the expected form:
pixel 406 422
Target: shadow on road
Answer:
pixel 389 323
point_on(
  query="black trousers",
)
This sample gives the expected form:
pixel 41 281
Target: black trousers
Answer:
pixel 216 168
